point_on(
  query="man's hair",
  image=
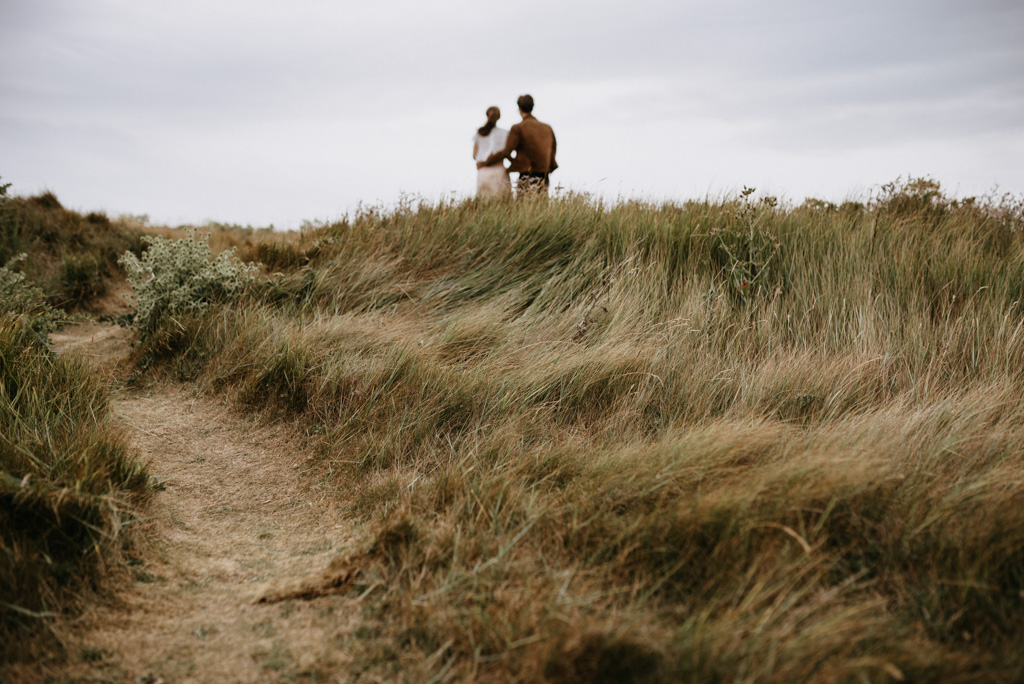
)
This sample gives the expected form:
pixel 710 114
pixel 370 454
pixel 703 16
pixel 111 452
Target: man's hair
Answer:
pixel 525 103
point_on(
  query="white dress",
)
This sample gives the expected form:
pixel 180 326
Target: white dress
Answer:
pixel 491 181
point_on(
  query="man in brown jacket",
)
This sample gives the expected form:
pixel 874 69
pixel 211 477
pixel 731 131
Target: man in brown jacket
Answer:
pixel 534 145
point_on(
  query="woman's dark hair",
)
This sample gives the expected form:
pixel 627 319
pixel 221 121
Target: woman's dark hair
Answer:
pixel 493 114
pixel 525 103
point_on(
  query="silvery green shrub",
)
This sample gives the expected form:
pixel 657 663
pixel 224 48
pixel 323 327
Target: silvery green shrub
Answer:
pixel 180 276
pixel 24 301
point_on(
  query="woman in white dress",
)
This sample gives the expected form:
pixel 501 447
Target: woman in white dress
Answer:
pixel 491 181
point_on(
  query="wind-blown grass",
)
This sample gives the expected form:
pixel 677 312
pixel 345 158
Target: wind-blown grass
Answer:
pixel 722 441
pixel 67 477
pixel 67 481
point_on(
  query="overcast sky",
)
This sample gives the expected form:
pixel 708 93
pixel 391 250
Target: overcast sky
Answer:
pixel 258 112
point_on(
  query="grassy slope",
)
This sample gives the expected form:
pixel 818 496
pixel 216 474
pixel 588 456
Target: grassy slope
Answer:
pixel 67 481
pixel 71 256
pixel 67 477
pixel 719 441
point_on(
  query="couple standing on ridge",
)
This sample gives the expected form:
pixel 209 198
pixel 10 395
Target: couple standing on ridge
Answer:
pixel 533 144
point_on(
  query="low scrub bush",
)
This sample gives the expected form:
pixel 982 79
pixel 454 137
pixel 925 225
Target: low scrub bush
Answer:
pixel 747 252
pixel 26 304
pixel 83 277
pixel 174 277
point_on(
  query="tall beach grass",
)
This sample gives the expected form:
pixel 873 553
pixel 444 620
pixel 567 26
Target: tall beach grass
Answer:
pixel 726 440
pixel 68 483
pixel 68 480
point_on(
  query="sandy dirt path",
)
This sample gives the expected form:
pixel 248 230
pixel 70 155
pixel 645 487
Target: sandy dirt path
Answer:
pixel 238 519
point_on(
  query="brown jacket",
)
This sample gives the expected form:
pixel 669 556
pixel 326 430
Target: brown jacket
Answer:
pixel 534 145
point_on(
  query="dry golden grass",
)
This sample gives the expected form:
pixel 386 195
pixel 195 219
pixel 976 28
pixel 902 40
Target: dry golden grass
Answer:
pixel 69 484
pixel 723 441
